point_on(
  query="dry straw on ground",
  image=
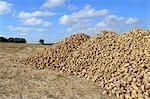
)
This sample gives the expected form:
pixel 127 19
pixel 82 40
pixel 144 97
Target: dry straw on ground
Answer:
pixel 119 63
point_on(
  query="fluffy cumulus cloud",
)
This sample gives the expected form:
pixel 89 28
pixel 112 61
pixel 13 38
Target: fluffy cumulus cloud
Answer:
pixel 34 14
pixel 87 28
pixel 20 29
pixel 101 25
pixel 31 18
pixel 86 12
pixel 132 20
pixel 113 19
pixel 53 3
pixel 90 20
pixel 5 7
pixel 85 17
pixel 36 21
pixel 68 19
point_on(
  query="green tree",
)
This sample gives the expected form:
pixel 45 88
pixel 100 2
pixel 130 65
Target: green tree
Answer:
pixel 41 41
pixel 11 39
pixel 16 40
pixel 19 40
pixel 3 39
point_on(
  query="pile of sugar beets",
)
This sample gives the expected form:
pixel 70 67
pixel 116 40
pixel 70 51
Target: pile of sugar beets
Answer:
pixel 118 63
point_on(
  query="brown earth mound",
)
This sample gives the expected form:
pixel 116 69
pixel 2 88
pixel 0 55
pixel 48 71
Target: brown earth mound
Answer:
pixel 120 64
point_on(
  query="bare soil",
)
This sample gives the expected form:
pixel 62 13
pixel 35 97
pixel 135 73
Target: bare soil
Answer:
pixel 18 81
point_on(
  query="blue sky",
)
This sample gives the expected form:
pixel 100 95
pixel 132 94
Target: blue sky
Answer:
pixel 53 20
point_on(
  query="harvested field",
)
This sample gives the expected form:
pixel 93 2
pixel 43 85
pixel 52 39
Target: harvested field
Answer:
pixel 18 81
pixel 118 63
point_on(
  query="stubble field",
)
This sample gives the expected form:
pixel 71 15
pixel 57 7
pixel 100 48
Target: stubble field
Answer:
pixel 19 81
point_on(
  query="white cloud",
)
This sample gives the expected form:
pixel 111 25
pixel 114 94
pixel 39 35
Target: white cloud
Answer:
pixel 21 29
pixel 66 19
pixel 30 18
pixel 24 29
pixel 5 7
pixel 113 19
pixel 53 3
pixel 34 14
pixel 86 12
pixel 40 30
pixel 87 28
pixel 35 21
pixel 101 25
pixel 71 7
pixel 132 20
pixel 69 30
pixel 85 20
pixel 1 35
pixel 81 21
pixel 95 28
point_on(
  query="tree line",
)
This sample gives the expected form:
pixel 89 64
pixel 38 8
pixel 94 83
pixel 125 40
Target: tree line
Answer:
pixel 15 40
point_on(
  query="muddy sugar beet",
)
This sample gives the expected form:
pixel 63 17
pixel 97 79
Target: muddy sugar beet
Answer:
pixel 118 63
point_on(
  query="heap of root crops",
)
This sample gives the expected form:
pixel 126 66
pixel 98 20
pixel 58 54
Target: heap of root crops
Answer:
pixel 55 54
pixel 118 63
